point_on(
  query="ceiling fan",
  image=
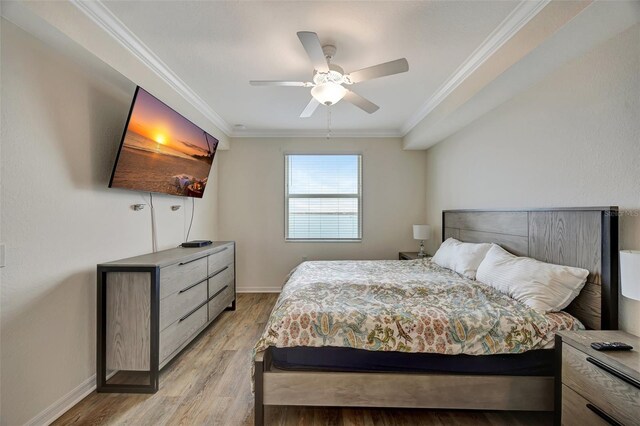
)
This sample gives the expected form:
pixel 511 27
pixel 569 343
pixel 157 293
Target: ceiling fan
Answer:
pixel 329 80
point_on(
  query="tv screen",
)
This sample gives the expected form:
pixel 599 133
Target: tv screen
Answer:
pixel 161 151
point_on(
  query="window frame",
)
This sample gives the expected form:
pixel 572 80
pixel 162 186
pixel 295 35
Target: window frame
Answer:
pixel 287 197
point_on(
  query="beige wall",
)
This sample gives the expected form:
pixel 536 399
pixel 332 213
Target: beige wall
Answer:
pixel 252 205
pixel 572 140
pixel 61 126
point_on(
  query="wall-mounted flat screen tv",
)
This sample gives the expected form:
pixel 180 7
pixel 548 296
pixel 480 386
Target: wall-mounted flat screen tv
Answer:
pixel 161 151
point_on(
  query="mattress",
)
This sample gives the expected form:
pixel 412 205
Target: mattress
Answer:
pixel 532 363
pixel 409 307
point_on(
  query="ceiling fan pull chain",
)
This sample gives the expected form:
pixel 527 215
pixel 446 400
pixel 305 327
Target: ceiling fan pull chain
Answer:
pixel 328 122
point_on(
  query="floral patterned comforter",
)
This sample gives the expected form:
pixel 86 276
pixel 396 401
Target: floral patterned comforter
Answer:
pixel 407 306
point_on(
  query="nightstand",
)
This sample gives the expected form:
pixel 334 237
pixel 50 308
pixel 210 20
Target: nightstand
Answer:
pixel 596 388
pixel 409 255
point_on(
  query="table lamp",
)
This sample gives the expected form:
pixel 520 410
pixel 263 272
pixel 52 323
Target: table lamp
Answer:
pixel 630 273
pixel 421 232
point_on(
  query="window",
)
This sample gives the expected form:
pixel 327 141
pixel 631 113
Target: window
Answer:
pixel 323 197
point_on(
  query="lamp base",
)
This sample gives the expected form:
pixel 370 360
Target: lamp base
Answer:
pixel 422 253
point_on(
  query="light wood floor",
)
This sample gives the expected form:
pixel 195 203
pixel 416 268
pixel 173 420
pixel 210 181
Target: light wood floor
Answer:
pixel 209 383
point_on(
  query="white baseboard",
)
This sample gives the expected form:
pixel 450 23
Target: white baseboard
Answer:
pixel 62 405
pixel 259 289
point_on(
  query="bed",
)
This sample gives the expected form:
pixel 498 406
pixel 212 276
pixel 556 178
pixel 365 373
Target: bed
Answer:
pixel 321 347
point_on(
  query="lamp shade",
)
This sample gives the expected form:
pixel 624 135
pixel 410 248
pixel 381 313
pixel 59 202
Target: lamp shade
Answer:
pixel 421 232
pixel 328 93
pixel 630 273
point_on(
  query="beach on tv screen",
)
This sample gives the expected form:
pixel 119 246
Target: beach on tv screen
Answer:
pixel 162 151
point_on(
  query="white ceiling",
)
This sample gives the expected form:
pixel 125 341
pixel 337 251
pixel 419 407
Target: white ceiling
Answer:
pixel 466 57
pixel 217 47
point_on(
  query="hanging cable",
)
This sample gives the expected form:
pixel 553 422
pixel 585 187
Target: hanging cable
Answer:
pixel 193 208
pixel 154 238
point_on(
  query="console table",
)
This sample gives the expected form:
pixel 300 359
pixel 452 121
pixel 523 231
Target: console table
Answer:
pixel 150 307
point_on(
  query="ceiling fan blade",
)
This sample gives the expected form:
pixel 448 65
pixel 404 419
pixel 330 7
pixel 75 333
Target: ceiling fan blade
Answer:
pixel 280 83
pixel 311 44
pixel 310 108
pixel 361 102
pixel 380 70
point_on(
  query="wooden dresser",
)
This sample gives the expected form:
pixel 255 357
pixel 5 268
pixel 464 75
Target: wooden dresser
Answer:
pixel 597 388
pixel 151 306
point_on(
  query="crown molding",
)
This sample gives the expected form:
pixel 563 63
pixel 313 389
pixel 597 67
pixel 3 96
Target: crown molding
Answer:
pixel 517 19
pixel 105 19
pixel 314 133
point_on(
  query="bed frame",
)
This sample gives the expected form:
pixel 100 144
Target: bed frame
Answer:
pixel 581 237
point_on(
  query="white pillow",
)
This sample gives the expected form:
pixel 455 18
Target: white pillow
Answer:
pixel 542 286
pixel 464 258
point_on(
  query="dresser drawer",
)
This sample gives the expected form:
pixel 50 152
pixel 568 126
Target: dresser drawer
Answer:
pixel 172 337
pixel 604 390
pixel 221 301
pixel 220 259
pixel 576 410
pixel 175 277
pixel 223 277
pixel 174 306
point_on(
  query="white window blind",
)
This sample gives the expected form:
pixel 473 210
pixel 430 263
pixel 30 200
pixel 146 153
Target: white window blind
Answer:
pixel 323 197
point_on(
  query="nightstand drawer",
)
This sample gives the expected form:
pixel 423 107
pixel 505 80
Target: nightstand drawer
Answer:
pixel 613 395
pixel 576 410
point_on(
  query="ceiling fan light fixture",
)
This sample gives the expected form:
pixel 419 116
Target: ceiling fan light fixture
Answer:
pixel 328 93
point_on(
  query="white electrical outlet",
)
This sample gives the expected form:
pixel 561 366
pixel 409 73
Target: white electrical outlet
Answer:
pixel 2 261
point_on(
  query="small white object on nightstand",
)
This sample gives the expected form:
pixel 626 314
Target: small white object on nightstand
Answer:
pixel 421 232
pixel 630 273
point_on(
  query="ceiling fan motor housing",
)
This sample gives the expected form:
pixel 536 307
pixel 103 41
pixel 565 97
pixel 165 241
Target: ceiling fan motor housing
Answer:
pixel 335 75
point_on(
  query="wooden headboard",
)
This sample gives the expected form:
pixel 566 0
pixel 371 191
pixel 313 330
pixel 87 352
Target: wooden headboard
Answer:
pixel 580 237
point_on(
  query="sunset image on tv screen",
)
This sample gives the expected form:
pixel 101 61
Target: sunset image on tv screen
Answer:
pixel 163 151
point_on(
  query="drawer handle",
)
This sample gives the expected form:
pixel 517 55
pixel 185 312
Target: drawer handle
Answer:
pixel 620 375
pixel 218 271
pixel 604 416
pixel 218 292
pixel 191 286
pixel 189 261
pixel 219 251
pixel 193 311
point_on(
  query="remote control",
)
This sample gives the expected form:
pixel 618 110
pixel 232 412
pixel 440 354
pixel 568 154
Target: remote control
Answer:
pixel 611 346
